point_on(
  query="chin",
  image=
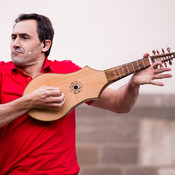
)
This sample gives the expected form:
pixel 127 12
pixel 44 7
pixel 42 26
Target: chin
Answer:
pixel 17 62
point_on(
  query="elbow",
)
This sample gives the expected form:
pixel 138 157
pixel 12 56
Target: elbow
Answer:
pixel 123 110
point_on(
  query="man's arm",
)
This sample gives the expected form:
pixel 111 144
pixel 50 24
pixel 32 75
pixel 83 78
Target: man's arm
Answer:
pixel 123 99
pixel 12 110
pixel 44 97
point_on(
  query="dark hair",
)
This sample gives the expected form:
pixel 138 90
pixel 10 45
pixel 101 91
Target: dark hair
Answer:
pixel 44 27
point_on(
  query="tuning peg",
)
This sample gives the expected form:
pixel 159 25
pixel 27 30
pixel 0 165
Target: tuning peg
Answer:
pixel 170 62
pixel 158 51
pixel 163 51
pixel 168 49
pixel 154 52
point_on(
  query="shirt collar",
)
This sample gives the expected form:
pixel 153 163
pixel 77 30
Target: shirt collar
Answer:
pixel 46 67
pixel 13 67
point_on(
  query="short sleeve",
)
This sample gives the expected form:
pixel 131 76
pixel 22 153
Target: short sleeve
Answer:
pixel 89 102
pixel 65 66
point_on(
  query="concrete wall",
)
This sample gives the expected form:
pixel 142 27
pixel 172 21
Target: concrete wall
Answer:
pixel 139 143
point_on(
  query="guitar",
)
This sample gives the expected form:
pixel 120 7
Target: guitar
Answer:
pixel 87 83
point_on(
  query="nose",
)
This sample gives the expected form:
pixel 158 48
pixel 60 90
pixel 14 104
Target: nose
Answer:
pixel 15 43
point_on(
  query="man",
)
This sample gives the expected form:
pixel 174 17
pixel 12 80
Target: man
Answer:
pixel 28 146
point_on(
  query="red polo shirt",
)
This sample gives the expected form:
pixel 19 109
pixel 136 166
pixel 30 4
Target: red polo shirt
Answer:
pixel 28 146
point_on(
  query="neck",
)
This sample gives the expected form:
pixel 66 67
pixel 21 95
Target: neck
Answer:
pixel 34 69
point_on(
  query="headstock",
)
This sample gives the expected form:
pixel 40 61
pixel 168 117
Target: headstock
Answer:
pixel 163 57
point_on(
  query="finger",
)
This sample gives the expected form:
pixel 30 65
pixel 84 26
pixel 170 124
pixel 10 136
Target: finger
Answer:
pixel 156 64
pixel 50 88
pixel 53 91
pixel 156 83
pixel 161 76
pixel 161 70
pixel 56 106
pixel 146 55
pixel 55 99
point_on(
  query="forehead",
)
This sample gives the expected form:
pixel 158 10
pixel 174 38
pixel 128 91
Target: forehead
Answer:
pixel 26 26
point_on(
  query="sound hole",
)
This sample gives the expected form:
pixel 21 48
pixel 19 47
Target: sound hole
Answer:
pixel 75 87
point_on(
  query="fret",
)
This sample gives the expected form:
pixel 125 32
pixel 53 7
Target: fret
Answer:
pixel 110 75
pixel 143 62
pixel 117 72
pixel 127 68
pixel 121 71
pixel 136 66
pixel 130 67
pixel 140 63
pixel 146 62
pixel 114 73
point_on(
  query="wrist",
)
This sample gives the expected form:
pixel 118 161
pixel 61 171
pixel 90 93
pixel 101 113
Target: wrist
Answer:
pixel 26 100
pixel 133 85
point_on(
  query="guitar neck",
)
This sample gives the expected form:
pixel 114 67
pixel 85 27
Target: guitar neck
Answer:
pixel 124 70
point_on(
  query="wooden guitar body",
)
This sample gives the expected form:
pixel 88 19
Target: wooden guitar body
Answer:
pixel 87 83
pixel 77 87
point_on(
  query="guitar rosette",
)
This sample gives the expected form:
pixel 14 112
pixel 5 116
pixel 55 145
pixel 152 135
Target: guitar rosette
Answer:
pixel 75 87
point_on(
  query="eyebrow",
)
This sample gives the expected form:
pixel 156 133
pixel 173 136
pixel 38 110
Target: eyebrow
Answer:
pixel 21 35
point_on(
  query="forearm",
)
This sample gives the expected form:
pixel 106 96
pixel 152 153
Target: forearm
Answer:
pixel 123 99
pixel 128 96
pixel 12 110
pixel 120 100
pixel 42 98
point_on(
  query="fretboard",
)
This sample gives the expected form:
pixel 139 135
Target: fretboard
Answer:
pixel 124 70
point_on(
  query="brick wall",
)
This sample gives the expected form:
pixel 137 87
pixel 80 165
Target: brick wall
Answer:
pixel 139 143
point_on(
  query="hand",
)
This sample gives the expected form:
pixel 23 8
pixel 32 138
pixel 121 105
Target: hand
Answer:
pixel 47 98
pixel 148 75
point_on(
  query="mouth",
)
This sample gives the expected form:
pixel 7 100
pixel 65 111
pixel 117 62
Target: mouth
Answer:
pixel 16 52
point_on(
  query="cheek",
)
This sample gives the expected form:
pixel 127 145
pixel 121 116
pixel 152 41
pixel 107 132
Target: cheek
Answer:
pixel 34 50
pixel 32 54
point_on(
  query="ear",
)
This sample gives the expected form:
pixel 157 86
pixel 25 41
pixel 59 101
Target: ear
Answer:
pixel 46 45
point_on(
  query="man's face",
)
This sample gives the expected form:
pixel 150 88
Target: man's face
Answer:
pixel 26 48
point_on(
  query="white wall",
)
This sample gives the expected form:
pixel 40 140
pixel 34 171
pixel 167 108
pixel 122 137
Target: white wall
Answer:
pixel 100 33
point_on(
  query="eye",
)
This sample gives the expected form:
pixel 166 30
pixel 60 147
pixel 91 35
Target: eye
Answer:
pixel 25 37
pixel 13 37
